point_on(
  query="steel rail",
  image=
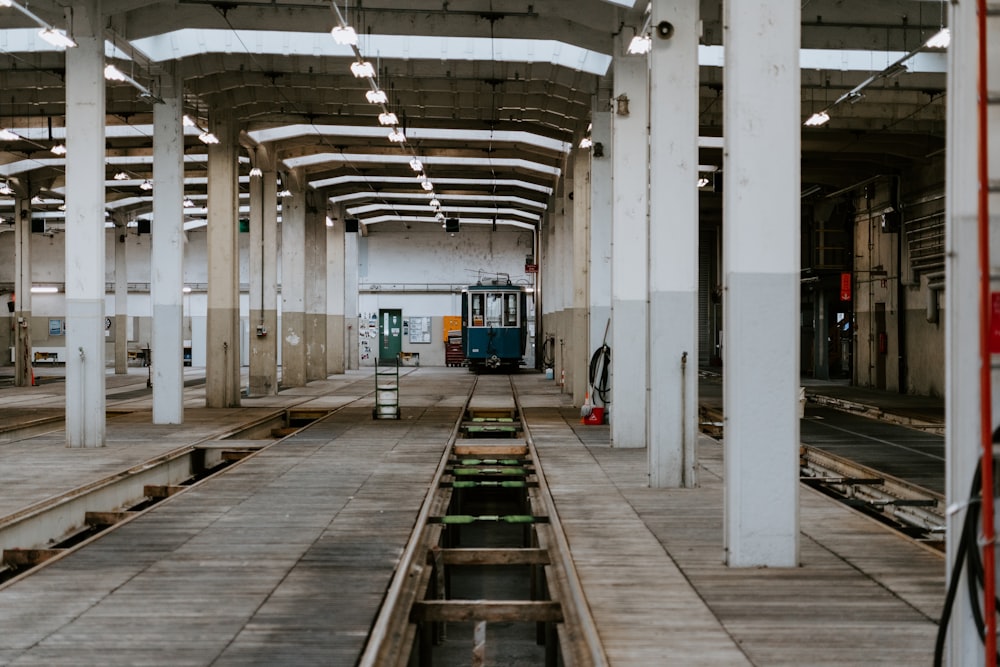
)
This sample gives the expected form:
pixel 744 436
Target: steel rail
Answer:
pixel 576 609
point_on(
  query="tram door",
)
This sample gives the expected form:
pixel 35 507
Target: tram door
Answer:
pixel 390 334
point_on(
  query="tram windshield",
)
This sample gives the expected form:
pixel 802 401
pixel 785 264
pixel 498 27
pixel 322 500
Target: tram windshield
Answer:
pixel 493 309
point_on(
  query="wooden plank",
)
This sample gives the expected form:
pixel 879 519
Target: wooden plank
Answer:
pixel 161 490
pixel 491 611
pixel 492 448
pixel 23 558
pixel 494 556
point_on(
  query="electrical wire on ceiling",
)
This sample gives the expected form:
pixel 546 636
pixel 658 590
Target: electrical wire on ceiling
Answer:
pixel 320 137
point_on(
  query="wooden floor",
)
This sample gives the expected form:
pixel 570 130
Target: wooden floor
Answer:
pixel 283 559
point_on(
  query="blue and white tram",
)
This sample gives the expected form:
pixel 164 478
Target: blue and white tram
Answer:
pixel 494 325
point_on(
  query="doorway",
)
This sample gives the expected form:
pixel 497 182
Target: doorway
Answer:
pixel 390 335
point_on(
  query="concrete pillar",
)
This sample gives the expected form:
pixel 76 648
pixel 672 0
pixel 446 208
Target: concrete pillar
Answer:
pixel 222 371
pixel 672 427
pixel 315 287
pixel 351 300
pixel 630 236
pixel 167 257
pixel 336 332
pixel 761 274
pixel 121 295
pixel 579 323
pixel 22 290
pixel 962 317
pixel 561 243
pixel 264 275
pixel 85 389
pixel 293 282
pixel 601 193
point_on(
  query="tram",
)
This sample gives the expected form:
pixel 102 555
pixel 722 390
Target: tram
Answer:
pixel 494 325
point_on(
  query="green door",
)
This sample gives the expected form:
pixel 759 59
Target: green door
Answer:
pixel 390 335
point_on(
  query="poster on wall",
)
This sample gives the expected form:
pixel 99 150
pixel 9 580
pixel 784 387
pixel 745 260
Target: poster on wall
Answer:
pixel 420 329
pixel 55 328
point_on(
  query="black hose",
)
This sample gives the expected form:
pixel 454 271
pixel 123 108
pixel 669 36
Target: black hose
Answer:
pixel 967 555
pixel 548 352
pixel 600 379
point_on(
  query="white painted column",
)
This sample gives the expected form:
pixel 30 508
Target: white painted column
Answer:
pixel 580 276
pixel 264 276
pixel 630 236
pixel 85 389
pixel 351 341
pixel 315 287
pixel 293 282
pixel 761 274
pixel 601 193
pixel 121 294
pixel 167 257
pixel 22 289
pixel 222 372
pixel 550 272
pixel 562 243
pixel 335 326
pixel 962 395
pixel 672 427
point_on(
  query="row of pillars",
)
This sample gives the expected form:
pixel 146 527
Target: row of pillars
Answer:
pixel 642 271
pixel 315 333
pixel 638 259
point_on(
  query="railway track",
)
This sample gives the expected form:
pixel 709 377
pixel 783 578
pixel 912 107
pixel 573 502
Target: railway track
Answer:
pixel 55 527
pixel 487 569
pixel 911 509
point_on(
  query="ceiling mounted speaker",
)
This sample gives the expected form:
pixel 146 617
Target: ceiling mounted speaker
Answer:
pixel 664 29
pixel 351 225
pixel 451 225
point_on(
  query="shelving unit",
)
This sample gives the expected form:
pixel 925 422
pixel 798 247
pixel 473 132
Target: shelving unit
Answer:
pixel 386 389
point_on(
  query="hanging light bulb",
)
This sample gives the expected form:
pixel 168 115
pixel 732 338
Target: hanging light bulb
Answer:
pixel 362 69
pixel 640 44
pixel 208 138
pixel 586 142
pixel 817 119
pixel 439 217
pixel 940 40
pixel 377 96
pixel 59 149
pixel 416 165
pixel 397 136
pixel 121 176
pixel 388 118
pixel 344 35
pixel 112 73
pixel 188 121
pixel 256 172
pixel 188 203
pixel 8 135
pixel 426 185
pixel 146 185
pixel 56 38
pixel 434 203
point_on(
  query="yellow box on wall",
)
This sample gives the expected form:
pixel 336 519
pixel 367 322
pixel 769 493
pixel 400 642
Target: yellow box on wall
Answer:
pixel 451 323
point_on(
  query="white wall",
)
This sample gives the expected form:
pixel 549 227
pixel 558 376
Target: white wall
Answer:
pixel 420 271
